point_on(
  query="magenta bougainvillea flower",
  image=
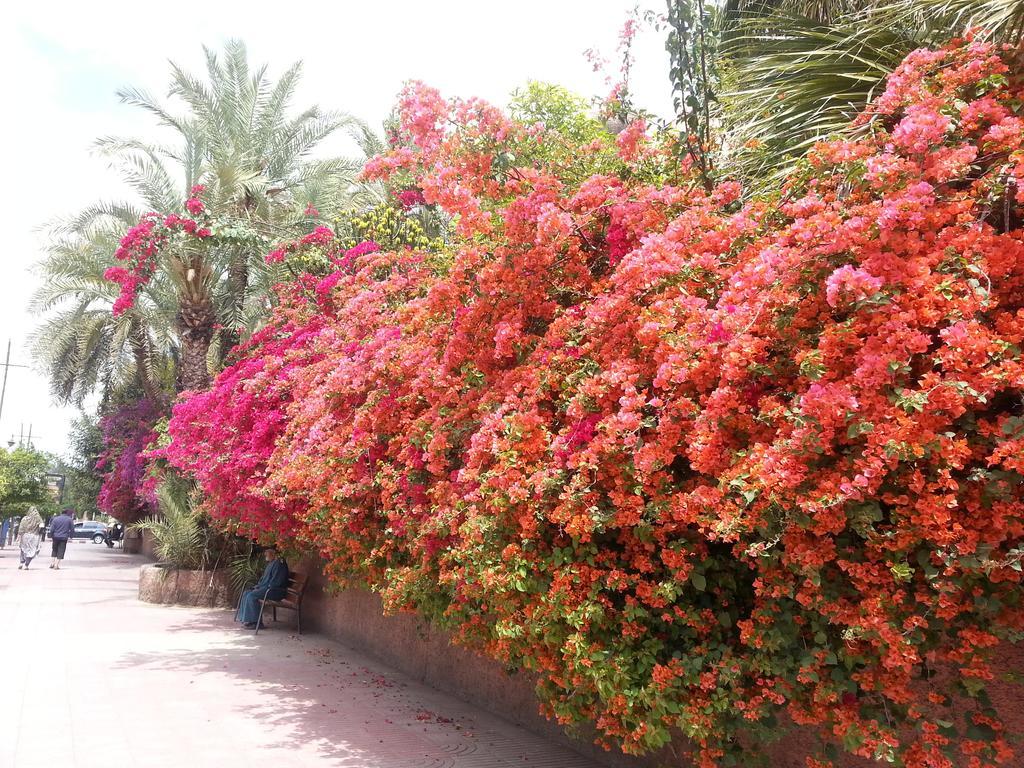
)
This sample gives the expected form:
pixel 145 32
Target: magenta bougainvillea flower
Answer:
pixel 128 431
pixel 140 248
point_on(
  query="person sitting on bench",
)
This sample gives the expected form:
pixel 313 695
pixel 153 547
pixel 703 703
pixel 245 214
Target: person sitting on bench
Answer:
pixel 273 585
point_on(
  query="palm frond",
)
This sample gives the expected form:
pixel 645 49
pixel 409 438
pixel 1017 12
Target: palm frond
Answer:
pixel 244 570
pixel 119 213
pixel 369 143
pixel 194 93
pixel 794 82
pixel 797 72
pixel 138 98
pixel 192 157
pixel 934 21
pixel 292 145
pixel 273 104
pixel 143 166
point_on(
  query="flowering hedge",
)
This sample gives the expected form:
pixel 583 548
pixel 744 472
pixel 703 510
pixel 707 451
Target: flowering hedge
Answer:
pixel 697 462
pixel 225 435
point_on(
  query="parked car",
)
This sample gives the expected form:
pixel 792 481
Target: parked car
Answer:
pixel 90 529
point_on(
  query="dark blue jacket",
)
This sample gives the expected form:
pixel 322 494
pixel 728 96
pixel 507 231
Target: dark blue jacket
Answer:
pixel 62 527
pixel 274 579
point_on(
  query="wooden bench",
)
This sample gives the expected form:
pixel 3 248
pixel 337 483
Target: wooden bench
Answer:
pixel 292 601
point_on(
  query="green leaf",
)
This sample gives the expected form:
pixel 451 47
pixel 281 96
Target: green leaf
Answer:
pixel 902 572
pixel 1013 425
pixel 852 739
pixel 980 732
pixel 858 428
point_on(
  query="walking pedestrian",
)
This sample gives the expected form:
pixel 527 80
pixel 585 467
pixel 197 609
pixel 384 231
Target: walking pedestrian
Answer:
pixel 4 527
pixel 61 528
pixel 28 537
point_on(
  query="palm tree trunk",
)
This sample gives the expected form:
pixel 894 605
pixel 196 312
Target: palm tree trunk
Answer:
pixel 196 321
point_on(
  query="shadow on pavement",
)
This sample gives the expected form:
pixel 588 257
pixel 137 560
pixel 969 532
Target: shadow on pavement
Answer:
pixel 350 708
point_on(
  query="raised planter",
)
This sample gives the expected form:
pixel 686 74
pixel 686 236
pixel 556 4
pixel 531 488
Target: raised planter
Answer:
pixel 162 583
pixel 132 542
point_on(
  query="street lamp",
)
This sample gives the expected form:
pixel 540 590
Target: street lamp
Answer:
pixel 22 442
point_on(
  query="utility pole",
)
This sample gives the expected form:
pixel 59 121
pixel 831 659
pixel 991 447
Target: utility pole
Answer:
pixel 7 366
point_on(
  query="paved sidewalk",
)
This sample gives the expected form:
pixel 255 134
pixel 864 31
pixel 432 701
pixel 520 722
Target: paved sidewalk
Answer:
pixel 115 683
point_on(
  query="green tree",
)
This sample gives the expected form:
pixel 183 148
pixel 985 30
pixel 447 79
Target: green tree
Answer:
pixel 82 479
pixel 23 482
pixel 568 125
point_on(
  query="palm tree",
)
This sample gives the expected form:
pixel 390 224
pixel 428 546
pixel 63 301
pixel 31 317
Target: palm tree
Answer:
pixel 180 538
pixel 81 344
pixel 236 136
pixel 818 64
pixel 239 141
pixel 791 72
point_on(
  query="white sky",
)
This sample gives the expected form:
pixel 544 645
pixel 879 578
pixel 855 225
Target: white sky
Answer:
pixel 62 63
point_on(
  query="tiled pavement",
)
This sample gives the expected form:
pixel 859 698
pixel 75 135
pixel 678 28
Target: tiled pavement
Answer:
pixel 92 678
